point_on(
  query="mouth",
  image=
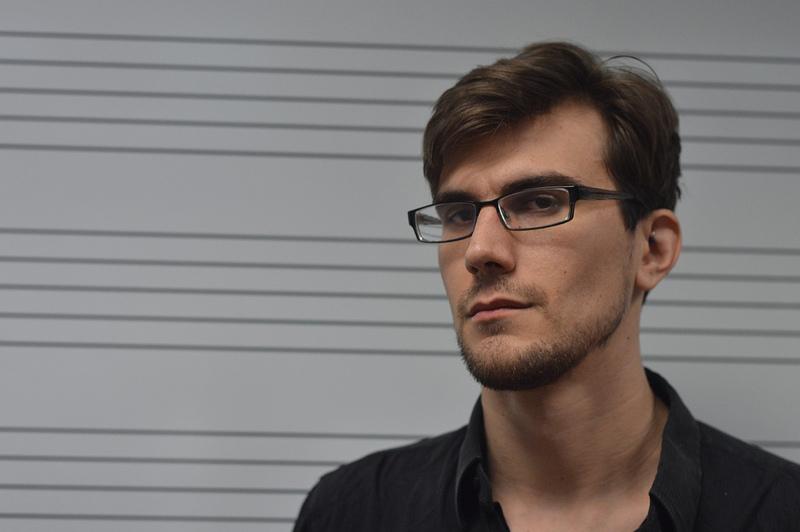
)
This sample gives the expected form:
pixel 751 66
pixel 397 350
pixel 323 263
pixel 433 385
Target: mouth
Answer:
pixel 495 309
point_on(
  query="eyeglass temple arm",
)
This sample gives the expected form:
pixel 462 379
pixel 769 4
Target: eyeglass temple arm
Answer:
pixel 596 193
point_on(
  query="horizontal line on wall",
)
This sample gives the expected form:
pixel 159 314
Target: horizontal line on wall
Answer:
pixel 153 489
pixel 217 152
pixel 359 323
pixel 97 431
pixel 218 292
pixel 173 460
pixel 766 169
pixel 213 461
pixel 216 264
pixel 150 150
pixel 37 91
pixel 689 248
pixel 209 123
pixel 344 72
pixel 741 113
pixel 776 305
pixel 755 305
pixel 223 320
pixel 143 517
pixel 215 96
pixel 223 348
pixel 723 277
pixel 732 85
pixel 244 69
pixel 194 461
pixel 757 141
pixel 212 236
pixel 416 47
pixel 355 323
pixel 708 331
pixel 49 119
pixel 704 359
pixel 707 359
pixel 737 250
pixel 86 431
pixel 734 277
pixel 244 41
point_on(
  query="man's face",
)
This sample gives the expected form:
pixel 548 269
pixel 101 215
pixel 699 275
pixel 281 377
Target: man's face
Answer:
pixel 550 296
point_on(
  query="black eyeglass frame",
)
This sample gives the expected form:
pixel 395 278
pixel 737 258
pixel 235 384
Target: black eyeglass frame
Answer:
pixel 576 192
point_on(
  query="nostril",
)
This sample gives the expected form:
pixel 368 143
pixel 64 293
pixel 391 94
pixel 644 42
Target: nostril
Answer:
pixel 491 265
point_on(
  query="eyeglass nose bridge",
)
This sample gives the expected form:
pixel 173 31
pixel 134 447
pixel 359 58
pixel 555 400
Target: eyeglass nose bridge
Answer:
pixel 479 205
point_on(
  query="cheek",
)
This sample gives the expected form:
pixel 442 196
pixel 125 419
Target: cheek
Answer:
pixel 598 275
pixel 581 275
pixel 453 271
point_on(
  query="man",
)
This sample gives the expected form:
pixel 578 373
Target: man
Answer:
pixel 554 177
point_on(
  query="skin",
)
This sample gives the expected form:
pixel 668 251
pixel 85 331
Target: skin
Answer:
pixel 580 452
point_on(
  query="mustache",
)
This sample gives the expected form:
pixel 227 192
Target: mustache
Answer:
pixel 504 286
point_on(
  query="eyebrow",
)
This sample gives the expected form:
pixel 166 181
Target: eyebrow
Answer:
pixel 548 179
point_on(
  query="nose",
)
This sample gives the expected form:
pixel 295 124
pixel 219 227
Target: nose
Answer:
pixel 491 247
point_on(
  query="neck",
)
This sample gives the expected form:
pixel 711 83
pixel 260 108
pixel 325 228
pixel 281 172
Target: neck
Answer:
pixel 594 432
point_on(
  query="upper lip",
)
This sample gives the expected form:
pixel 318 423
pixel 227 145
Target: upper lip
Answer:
pixel 495 303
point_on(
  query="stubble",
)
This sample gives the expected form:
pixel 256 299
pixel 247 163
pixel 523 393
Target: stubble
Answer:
pixel 497 365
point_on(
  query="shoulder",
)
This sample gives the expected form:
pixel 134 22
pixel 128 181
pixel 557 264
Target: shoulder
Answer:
pixel 719 448
pixel 742 479
pixel 364 487
pixel 387 468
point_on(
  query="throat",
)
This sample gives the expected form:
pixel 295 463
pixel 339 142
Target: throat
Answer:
pixel 571 491
pixel 578 451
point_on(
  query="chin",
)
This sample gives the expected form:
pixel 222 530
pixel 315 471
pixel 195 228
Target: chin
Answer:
pixel 528 350
pixel 509 363
pixel 517 373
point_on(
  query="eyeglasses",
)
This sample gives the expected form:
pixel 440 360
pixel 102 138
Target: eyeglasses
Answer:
pixel 532 208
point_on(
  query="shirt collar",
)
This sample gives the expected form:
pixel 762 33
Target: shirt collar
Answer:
pixel 677 482
pixel 678 479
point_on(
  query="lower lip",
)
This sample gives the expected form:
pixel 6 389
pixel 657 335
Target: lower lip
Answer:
pixel 495 314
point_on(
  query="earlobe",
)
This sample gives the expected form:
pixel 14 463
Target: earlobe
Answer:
pixel 660 237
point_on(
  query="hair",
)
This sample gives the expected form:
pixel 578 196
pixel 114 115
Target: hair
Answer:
pixel 642 154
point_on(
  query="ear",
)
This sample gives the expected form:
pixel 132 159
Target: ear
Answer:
pixel 659 235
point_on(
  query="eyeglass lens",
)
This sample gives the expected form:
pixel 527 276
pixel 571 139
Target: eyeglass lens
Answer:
pixel 527 209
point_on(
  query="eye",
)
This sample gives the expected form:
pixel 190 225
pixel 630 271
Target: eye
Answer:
pixel 535 202
pixel 456 214
pixel 543 202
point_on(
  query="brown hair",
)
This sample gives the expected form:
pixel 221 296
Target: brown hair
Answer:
pixel 643 150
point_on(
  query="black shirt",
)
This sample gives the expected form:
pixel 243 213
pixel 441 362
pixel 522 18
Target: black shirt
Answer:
pixel 706 481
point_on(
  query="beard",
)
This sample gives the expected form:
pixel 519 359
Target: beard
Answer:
pixel 499 366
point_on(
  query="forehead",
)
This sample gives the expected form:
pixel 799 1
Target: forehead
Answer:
pixel 570 140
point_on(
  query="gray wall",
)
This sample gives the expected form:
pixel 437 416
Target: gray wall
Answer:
pixel 209 294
